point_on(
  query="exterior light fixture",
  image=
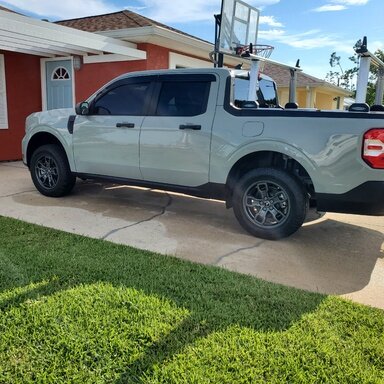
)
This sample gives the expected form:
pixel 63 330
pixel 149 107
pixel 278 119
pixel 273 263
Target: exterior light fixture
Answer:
pixel 77 62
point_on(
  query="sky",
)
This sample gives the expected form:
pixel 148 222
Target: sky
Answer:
pixel 309 30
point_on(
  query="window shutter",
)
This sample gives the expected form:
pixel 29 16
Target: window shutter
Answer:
pixel 3 96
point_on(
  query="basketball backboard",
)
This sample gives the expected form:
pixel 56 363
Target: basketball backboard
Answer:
pixel 239 26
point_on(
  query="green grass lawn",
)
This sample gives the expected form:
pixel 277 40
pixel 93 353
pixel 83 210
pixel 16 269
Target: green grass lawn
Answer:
pixel 78 310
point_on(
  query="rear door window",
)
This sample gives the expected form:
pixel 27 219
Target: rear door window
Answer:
pixel 183 98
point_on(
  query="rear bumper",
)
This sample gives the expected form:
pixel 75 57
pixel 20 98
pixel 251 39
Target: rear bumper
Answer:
pixel 366 199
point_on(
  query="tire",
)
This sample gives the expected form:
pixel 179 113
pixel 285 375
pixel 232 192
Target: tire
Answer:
pixel 270 203
pixel 50 171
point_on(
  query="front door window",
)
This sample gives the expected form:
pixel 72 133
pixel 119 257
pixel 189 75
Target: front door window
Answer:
pixel 61 73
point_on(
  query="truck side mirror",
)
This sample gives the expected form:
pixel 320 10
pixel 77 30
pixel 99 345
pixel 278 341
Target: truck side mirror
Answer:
pixel 82 108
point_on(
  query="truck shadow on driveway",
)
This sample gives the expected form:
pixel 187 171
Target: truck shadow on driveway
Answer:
pixel 328 255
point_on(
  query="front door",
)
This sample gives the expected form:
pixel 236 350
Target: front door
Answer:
pixel 106 141
pixel 59 84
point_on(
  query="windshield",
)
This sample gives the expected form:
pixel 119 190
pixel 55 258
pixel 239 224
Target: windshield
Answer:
pixel 266 95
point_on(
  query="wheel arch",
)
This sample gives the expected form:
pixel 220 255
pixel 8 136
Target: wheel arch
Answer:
pixel 269 159
pixel 42 138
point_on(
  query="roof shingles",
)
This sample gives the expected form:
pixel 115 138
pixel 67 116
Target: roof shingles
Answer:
pixel 281 76
pixel 118 20
pixel 112 21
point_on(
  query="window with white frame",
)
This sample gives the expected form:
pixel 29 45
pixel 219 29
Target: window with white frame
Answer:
pixel 3 96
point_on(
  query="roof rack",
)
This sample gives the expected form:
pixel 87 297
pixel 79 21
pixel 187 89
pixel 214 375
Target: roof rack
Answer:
pixel 366 59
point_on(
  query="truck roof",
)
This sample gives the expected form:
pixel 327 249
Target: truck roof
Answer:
pixel 219 71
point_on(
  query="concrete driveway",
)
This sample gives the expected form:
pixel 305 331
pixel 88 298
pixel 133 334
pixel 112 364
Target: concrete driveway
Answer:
pixel 334 254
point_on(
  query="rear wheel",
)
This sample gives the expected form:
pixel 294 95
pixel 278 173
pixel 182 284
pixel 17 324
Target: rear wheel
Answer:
pixel 270 203
pixel 50 171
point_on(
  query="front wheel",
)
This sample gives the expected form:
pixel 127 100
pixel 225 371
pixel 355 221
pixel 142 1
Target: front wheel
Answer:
pixel 50 171
pixel 270 203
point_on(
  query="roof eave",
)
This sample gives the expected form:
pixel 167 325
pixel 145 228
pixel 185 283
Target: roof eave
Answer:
pixel 326 86
pixel 27 35
pixel 331 87
pixel 167 38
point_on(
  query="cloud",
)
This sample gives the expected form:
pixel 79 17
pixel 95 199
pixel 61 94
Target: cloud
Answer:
pixel 339 5
pixel 191 11
pixel 165 11
pixel 375 45
pixel 312 39
pixel 261 3
pixel 319 70
pixel 62 9
pixel 194 10
pixel 271 21
pixel 160 10
pixel 330 7
pixel 350 2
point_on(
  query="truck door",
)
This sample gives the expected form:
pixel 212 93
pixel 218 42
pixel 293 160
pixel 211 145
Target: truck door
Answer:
pixel 106 142
pixel 175 138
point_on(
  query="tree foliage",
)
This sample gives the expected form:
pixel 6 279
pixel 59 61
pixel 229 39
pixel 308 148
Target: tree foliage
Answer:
pixel 347 78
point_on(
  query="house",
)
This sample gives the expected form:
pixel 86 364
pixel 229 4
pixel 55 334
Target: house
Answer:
pixel 311 92
pixel 47 65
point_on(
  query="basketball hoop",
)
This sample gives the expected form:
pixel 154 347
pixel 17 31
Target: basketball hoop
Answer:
pixel 261 50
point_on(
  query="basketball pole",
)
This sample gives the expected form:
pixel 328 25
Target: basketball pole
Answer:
pixel 219 57
pixel 253 79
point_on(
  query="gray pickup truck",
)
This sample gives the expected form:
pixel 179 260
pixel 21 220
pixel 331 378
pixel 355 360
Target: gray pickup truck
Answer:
pixel 191 131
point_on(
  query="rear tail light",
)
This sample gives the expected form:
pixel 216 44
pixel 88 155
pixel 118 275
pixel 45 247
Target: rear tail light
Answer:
pixel 373 148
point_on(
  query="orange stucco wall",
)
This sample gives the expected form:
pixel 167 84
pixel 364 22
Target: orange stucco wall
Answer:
pixel 23 97
pixel 157 57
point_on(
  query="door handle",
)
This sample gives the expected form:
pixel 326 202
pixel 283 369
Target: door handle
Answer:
pixel 125 125
pixel 190 126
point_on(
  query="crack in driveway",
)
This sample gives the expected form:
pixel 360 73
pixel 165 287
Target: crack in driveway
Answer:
pixel 221 258
pixel 162 212
pixel 17 193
